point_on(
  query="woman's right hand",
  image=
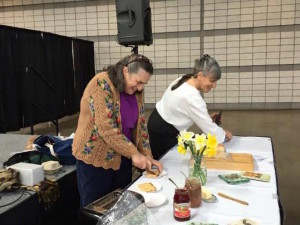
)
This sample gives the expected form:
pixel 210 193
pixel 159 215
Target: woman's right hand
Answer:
pixel 213 116
pixel 228 135
pixel 142 162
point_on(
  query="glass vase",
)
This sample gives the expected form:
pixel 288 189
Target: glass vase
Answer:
pixel 197 169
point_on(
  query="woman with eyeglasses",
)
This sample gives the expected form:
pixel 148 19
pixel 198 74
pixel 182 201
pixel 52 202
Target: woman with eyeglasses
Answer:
pixel 182 105
pixel 112 135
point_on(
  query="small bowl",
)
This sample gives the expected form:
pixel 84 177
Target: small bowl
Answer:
pixel 51 172
pixel 212 199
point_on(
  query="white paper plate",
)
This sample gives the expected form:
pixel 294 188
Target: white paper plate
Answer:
pixel 163 173
pixel 155 184
pixel 154 199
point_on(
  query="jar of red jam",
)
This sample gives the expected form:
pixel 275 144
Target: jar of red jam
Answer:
pixel 181 205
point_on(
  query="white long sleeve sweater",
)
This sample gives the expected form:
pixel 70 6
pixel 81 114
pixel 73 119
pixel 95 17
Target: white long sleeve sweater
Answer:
pixel 185 106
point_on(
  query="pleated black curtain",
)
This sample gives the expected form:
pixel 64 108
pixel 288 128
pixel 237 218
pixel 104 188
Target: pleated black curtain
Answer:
pixel 83 66
pixel 38 76
pixel 9 83
pixel 30 54
pixel 58 55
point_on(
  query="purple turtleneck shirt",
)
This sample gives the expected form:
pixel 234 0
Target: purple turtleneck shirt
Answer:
pixel 129 113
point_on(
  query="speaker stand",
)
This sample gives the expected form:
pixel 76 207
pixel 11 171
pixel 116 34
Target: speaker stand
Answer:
pixel 135 49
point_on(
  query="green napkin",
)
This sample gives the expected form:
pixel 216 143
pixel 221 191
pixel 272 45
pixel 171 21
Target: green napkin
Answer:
pixel 233 178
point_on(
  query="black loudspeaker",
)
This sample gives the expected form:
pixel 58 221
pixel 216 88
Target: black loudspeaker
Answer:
pixel 134 22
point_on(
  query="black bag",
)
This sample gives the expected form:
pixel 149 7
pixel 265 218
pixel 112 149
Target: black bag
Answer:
pixel 35 157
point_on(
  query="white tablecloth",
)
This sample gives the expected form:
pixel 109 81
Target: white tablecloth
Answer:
pixel 262 197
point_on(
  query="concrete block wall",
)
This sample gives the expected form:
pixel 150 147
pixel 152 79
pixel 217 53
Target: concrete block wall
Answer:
pixel 257 43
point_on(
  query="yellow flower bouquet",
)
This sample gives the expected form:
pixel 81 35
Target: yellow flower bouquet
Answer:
pixel 198 146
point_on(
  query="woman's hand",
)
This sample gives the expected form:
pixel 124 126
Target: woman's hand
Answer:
pixel 156 163
pixel 228 135
pixel 142 162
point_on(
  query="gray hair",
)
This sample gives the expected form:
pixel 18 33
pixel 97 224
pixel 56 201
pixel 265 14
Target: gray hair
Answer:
pixel 207 65
pixel 133 62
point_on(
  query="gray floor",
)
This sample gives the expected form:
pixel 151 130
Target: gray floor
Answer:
pixel 282 126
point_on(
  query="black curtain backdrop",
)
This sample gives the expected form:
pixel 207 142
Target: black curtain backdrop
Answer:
pixel 83 66
pixel 58 55
pixel 9 96
pixel 52 57
pixel 28 51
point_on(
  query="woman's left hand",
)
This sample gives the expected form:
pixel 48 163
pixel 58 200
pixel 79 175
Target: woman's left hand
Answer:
pixel 157 163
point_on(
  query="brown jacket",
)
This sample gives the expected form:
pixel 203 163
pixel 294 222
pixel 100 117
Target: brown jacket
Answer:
pixel 99 139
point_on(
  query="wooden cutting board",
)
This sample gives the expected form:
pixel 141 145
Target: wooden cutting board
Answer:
pixel 233 161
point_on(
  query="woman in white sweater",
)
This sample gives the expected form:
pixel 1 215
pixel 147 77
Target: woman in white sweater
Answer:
pixel 182 105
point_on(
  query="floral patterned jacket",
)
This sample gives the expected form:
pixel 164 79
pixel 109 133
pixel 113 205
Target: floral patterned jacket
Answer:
pixel 99 139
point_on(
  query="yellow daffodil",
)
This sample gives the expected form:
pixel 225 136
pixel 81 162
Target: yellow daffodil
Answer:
pixel 200 141
pixel 198 145
pixel 186 135
pixel 181 149
pixel 211 145
pixel 180 141
pixel 211 141
pixel 210 152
